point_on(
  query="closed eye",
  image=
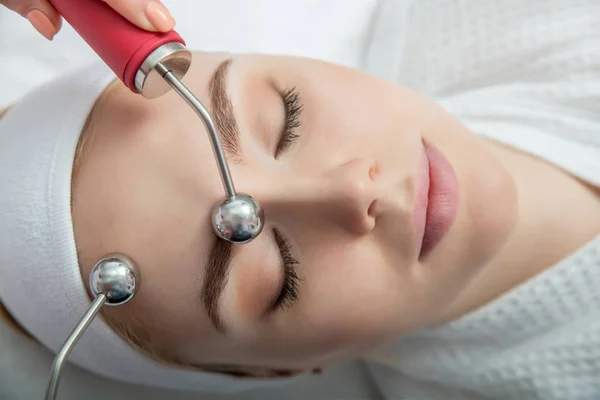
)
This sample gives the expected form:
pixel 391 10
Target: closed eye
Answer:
pixel 293 109
pixel 291 281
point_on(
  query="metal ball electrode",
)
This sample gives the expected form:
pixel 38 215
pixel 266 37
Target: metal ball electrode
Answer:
pixel 238 219
pixel 117 277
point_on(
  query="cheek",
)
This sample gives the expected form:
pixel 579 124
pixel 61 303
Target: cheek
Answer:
pixel 353 297
pixel 337 130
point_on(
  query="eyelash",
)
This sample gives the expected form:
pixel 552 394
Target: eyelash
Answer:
pixel 293 109
pixel 291 282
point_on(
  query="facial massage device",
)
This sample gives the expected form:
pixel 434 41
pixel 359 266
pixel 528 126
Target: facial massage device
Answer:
pixel 150 64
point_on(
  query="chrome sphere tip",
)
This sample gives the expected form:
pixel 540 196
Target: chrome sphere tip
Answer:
pixel 117 277
pixel 238 219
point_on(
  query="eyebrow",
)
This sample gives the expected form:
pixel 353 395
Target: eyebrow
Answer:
pixel 222 111
pixel 219 259
pixel 215 279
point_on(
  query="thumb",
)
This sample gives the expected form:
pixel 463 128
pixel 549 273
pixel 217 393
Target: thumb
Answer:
pixel 150 15
pixel 40 13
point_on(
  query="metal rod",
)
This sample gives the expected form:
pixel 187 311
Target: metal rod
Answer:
pixel 62 356
pixel 189 97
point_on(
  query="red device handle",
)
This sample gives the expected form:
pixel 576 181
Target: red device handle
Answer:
pixel 119 43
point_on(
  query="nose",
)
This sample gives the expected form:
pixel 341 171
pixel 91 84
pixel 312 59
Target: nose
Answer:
pixel 350 195
pixel 343 195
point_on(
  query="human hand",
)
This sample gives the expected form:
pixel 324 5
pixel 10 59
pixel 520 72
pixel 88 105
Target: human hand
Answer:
pixel 150 15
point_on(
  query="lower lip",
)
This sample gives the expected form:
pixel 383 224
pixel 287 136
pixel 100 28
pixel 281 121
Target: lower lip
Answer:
pixel 437 201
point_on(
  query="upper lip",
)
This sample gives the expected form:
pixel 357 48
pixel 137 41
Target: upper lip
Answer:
pixel 421 202
pixel 406 209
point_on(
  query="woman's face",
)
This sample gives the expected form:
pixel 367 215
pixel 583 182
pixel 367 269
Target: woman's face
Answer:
pixel 380 208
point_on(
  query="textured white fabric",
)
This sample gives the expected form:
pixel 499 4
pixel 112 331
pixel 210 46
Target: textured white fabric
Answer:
pixel 41 284
pixel 527 74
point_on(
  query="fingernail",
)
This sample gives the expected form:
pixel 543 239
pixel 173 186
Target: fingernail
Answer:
pixel 41 23
pixel 159 16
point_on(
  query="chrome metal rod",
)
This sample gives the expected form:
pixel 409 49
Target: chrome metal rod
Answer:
pixel 189 97
pixel 63 355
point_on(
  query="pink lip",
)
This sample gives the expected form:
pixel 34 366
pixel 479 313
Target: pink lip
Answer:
pixel 437 200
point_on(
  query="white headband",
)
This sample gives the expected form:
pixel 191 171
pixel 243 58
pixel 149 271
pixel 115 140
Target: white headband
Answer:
pixel 40 281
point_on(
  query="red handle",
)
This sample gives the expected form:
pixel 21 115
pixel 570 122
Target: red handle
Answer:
pixel 120 44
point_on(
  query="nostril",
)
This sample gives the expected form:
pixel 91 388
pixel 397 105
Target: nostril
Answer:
pixel 371 210
pixel 373 171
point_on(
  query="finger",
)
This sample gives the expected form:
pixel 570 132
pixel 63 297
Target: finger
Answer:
pixel 40 13
pixel 150 15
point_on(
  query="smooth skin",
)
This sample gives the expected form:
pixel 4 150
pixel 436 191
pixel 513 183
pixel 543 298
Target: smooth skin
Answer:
pixel 148 182
pixel 150 15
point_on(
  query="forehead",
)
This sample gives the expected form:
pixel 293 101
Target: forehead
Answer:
pixel 146 187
